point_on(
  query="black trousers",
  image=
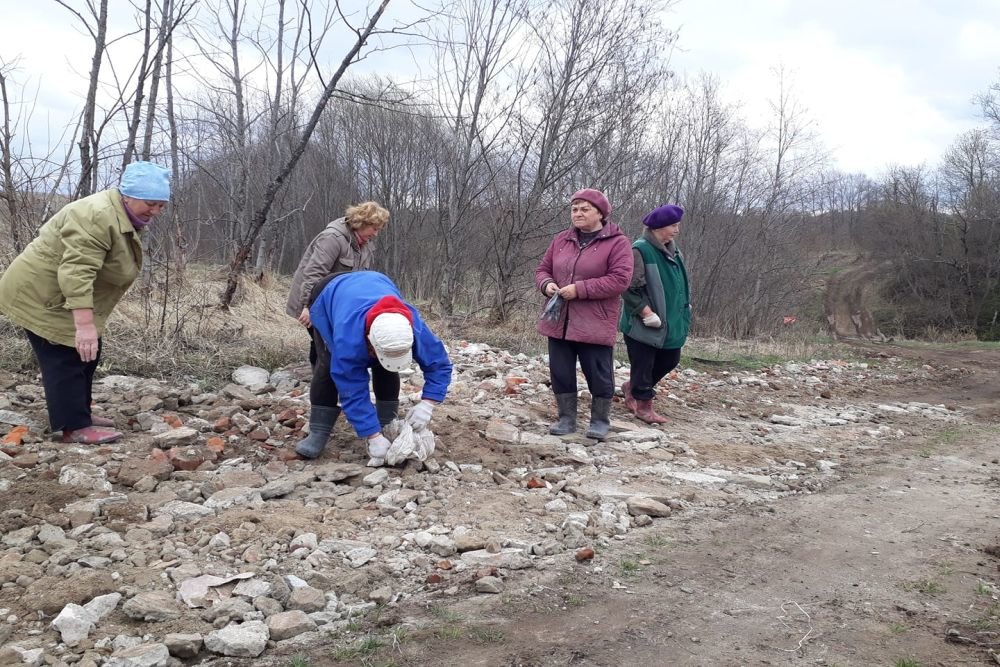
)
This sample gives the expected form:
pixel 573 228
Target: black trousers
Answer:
pixel 596 361
pixel 649 366
pixel 68 382
pixel 322 390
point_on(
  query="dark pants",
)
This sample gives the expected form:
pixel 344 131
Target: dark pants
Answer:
pixel 68 382
pixel 324 392
pixel 596 361
pixel 649 366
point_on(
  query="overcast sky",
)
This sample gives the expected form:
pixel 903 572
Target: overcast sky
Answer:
pixel 885 81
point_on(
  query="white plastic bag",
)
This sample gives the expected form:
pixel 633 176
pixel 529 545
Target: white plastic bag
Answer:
pixel 410 444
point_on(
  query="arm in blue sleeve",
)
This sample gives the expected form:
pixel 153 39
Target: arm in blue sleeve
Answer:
pixel 351 377
pixel 433 360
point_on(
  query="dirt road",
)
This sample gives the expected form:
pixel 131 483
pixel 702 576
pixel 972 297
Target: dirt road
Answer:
pixel 895 564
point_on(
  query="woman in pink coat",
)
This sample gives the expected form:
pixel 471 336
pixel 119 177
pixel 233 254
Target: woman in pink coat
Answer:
pixel 589 266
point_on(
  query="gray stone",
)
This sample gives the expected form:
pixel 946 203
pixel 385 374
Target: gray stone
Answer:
pixel 144 655
pixel 152 607
pixel 252 588
pixel 278 488
pixel 307 599
pixel 176 437
pixel 443 545
pixel 380 476
pixel 250 375
pixel 236 497
pixel 247 640
pixel 336 472
pixel 556 506
pixel 183 645
pixel 638 505
pixel 73 623
pixel 305 540
pixel 359 557
pixel 489 585
pixel 381 596
pixel 288 624
pixel 501 431
pixel 102 605
pixel 49 533
pixel 511 559
pixel 184 511
pixel 267 606
pixel 233 609
pixel 85 475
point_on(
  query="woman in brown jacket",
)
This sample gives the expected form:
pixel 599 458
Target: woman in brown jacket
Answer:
pixel 346 244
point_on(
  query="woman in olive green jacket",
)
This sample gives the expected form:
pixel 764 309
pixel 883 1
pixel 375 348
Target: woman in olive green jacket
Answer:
pixel 65 284
pixel 657 310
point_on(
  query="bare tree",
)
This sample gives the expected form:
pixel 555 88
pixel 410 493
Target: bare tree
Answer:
pixel 97 26
pixel 586 89
pixel 477 90
pixel 9 192
pixel 260 217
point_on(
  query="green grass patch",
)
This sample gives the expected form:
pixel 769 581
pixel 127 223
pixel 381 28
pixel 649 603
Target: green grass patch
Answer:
pixel 487 635
pixel 444 614
pixel 907 662
pixel 628 568
pixel 982 588
pixel 925 586
pixel 989 619
pixel 656 541
pixel 450 632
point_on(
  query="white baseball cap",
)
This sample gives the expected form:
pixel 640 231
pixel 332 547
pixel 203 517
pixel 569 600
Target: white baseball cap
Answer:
pixel 391 337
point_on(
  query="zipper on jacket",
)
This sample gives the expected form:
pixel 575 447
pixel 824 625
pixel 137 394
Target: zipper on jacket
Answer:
pixel 572 273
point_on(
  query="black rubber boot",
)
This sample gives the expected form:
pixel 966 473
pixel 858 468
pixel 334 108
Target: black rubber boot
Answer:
pixel 600 422
pixel 321 421
pixel 386 411
pixel 567 415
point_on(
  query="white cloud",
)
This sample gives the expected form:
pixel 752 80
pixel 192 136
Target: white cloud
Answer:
pixel 978 40
pixel 865 110
pixel 876 99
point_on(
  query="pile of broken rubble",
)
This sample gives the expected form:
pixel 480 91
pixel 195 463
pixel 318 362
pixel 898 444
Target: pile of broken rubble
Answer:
pixel 200 534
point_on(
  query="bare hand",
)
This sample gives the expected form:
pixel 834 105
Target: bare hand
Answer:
pixel 551 289
pixel 304 318
pixel 568 292
pixel 86 342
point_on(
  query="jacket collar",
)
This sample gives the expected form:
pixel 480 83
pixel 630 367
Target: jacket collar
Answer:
pixel 609 229
pixel 124 224
pixel 341 227
pixel 669 249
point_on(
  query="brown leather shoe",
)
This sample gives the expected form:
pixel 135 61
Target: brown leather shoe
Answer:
pixel 644 411
pixel 629 398
pixel 91 435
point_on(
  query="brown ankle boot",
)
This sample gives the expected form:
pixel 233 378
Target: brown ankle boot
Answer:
pixel 644 411
pixel 629 398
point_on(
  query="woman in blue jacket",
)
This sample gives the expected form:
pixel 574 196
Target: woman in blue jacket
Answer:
pixel 361 322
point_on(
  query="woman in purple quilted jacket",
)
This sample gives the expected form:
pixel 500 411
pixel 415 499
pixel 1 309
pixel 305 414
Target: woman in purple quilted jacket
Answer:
pixel 589 266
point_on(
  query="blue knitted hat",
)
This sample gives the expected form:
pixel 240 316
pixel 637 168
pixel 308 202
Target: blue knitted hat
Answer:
pixel 145 180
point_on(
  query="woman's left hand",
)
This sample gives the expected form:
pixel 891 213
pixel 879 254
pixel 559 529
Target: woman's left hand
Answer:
pixel 568 292
pixel 86 342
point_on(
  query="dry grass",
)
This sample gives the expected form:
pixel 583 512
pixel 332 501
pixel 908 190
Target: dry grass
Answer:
pixel 165 330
